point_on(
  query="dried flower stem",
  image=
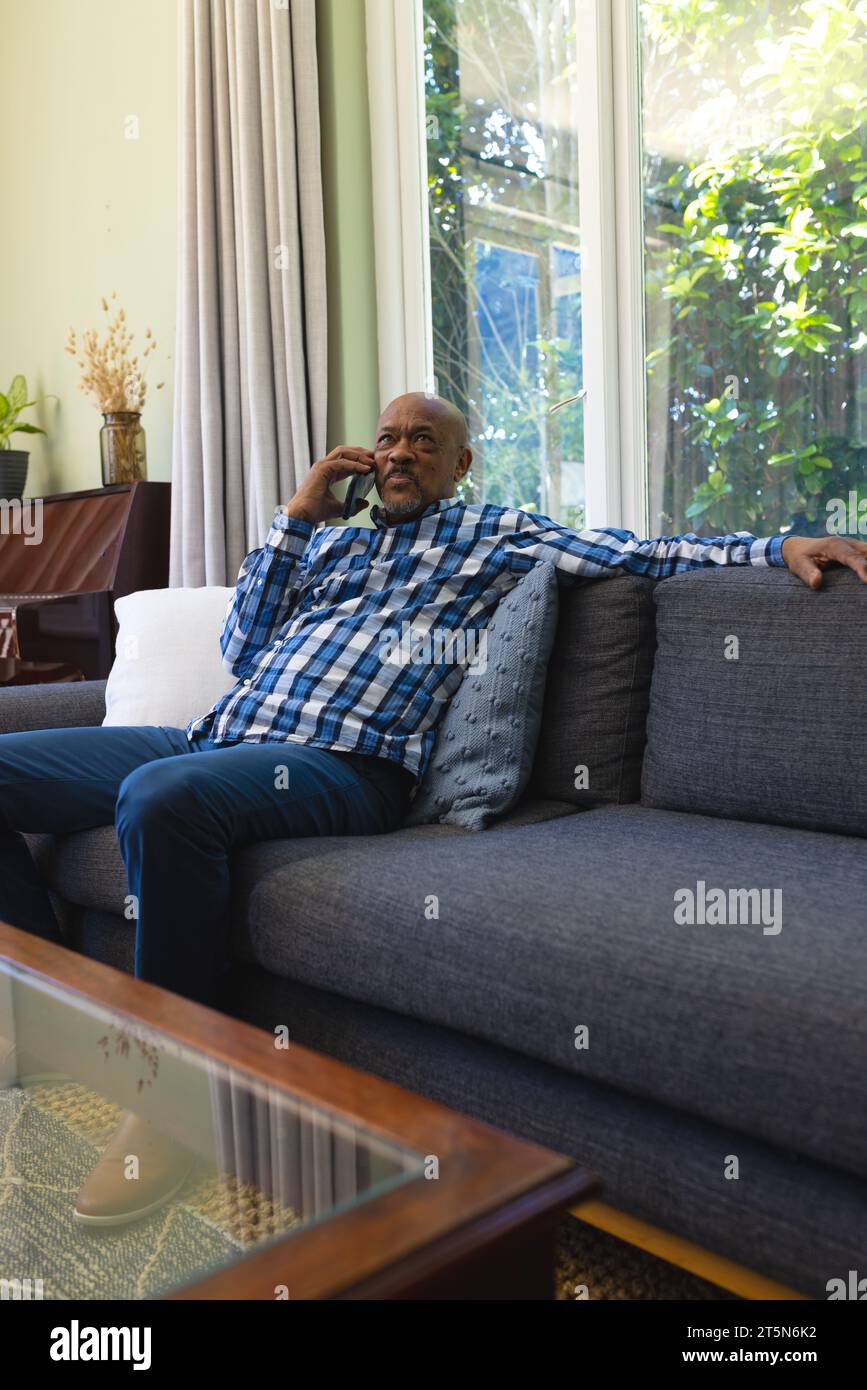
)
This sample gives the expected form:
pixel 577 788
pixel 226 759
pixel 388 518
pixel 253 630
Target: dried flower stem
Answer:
pixel 110 376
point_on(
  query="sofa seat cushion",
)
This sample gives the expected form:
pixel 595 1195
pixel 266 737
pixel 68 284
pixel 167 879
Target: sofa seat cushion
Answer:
pixel 86 868
pixel 526 935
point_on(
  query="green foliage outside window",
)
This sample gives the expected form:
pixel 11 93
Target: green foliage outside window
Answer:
pixel 765 267
pixel 755 271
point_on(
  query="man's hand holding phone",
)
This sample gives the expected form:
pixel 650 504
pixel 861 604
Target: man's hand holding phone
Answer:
pixel 314 501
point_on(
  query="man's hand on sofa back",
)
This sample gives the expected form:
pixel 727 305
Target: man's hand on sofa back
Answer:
pixel 807 556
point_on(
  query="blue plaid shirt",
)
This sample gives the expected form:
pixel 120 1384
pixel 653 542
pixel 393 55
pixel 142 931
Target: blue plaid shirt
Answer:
pixel 304 629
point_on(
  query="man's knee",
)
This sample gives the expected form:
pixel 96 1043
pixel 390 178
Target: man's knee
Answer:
pixel 157 796
pixel 146 794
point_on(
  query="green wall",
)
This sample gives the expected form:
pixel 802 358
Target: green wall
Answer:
pixel 87 210
pixel 353 404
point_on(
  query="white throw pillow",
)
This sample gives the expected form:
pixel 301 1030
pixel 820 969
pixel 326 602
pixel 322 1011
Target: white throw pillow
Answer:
pixel 167 666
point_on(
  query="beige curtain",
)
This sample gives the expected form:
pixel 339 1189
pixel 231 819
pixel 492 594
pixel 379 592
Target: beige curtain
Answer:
pixel 250 373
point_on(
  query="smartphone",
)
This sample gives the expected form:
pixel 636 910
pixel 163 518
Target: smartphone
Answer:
pixel 360 484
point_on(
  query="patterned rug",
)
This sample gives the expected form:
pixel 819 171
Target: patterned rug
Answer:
pixel 613 1270
pixel 51 1135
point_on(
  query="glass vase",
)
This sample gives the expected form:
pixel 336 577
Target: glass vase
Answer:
pixel 122 448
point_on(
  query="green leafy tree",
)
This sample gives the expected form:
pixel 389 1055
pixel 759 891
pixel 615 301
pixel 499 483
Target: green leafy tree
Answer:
pixel 757 296
pixel 755 251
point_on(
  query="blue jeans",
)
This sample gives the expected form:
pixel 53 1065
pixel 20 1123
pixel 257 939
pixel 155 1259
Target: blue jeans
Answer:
pixel 179 809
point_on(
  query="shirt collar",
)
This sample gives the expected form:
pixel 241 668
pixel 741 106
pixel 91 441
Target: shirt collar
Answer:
pixel 378 518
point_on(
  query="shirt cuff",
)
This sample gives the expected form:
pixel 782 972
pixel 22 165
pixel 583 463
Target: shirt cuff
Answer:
pixel 289 534
pixel 768 550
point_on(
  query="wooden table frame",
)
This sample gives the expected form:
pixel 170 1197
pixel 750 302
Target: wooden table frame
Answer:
pixel 485 1228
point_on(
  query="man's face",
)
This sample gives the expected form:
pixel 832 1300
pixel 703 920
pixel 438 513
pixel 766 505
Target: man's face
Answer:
pixel 420 454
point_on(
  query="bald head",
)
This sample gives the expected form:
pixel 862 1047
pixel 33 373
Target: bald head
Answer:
pixel 421 452
pixel 434 407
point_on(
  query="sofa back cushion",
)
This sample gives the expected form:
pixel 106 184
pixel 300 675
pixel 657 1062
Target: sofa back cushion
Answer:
pixel 758 707
pixel 592 738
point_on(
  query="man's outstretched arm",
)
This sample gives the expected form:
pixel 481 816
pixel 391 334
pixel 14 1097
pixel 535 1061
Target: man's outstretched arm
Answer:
pixel 581 555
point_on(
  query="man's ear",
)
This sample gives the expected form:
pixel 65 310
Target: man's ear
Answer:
pixel 463 464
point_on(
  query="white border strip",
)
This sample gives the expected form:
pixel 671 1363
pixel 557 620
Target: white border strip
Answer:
pixel 598 262
pixel 400 211
pixel 629 201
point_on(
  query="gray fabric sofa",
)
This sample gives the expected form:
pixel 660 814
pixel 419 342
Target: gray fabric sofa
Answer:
pixel 705 733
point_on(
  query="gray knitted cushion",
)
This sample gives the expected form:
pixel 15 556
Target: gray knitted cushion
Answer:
pixel 484 751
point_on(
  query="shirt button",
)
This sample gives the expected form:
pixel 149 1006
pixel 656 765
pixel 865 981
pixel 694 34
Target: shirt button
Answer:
pixel 248 682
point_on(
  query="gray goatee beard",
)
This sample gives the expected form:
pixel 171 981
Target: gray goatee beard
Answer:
pixel 406 504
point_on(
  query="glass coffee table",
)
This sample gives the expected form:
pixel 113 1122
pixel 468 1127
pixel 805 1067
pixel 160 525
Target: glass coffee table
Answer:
pixel 308 1179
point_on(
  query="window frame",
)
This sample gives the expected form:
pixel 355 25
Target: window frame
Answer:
pixel 395 75
pixel 612 250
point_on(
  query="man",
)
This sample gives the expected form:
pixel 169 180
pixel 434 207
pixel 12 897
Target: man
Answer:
pixel 320 735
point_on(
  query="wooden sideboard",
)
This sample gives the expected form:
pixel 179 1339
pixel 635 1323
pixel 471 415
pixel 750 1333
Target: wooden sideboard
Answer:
pixel 63 562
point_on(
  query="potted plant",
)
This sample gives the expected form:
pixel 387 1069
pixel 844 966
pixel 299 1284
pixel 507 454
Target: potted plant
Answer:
pixel 13 462
pixel 115 382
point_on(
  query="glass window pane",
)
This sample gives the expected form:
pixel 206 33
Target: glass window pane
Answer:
pixel 755 219
pixel 505 242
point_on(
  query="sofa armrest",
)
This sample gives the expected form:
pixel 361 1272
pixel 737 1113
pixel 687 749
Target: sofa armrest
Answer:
pixel 66 705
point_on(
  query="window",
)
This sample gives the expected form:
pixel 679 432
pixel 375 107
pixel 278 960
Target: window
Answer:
pixel 754 117
pixel 505 251
pixel 655 210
